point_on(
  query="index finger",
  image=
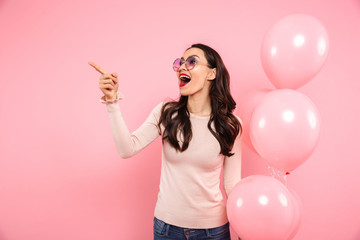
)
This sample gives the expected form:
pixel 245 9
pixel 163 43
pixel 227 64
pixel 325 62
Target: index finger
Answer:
pixel 99 69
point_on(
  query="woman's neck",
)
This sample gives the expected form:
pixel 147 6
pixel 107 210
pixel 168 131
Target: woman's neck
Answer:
pixel 199 105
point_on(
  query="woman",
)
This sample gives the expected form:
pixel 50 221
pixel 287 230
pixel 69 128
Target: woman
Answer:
pixel 200 135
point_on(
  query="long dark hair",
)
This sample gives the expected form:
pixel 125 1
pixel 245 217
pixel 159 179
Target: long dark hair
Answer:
pixel 227 126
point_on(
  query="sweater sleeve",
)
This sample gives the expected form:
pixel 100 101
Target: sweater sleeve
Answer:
pixel 232 165
pixel 128 144
pixel 119 96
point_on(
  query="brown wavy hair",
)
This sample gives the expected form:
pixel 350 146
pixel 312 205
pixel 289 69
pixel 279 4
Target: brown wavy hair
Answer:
pixel 227 126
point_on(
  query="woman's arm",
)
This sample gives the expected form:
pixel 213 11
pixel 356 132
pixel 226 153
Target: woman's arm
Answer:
pixel 129 144
pixel 232 165
pixel 232 170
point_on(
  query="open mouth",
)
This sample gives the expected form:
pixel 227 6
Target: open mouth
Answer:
pixel 184 79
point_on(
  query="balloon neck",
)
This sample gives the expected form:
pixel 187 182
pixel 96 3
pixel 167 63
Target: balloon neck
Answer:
pixel 278 174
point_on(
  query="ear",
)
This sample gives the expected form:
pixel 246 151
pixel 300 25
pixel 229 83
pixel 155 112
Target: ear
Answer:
pixel 212 74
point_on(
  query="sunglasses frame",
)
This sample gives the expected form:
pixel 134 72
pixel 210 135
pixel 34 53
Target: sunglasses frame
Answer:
pixel 188 65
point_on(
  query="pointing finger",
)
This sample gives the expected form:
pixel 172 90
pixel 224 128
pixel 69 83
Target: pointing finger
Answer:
pixel 97 68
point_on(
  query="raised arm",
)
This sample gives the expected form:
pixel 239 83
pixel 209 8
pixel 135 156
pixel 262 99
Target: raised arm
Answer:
pixel 129 144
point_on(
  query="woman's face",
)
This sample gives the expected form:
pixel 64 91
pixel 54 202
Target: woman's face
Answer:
pixel 200 76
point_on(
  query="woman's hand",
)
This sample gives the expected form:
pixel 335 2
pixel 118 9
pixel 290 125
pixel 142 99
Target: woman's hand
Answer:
pixel 108 83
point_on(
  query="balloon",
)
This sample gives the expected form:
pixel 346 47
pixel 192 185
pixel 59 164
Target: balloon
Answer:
pixel 294 50
pixel 298 214
pixel 285 128
pixel 260 207
pixel 245 109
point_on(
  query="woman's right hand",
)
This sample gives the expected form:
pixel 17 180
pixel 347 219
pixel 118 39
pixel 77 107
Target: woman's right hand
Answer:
pixel 108 84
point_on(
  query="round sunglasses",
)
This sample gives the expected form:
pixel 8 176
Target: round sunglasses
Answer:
pixel 190 63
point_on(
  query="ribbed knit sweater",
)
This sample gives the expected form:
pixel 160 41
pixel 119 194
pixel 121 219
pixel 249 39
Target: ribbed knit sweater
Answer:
pixel 189 192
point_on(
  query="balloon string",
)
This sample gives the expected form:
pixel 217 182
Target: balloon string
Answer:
pixel 278 174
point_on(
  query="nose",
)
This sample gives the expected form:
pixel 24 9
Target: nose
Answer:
pixel 182 67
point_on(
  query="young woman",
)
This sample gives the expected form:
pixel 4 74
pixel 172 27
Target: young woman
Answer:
pixel 200 135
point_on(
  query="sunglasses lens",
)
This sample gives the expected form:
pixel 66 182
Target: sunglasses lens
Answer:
pixel 177 64
pixel 190 62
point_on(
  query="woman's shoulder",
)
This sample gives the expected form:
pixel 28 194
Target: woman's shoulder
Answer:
pixel 166 102
pixel 159 105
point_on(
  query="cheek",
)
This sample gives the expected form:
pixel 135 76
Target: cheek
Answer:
pixel 198 80
pixel 198 77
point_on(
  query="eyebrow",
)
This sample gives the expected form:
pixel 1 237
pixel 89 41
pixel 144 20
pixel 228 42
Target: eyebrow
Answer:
pixel 191 56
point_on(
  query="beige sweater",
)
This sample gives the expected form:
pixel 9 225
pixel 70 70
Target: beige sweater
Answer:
pixel 189 192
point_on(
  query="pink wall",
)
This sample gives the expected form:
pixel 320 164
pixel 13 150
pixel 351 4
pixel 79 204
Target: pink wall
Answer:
pixel 60 174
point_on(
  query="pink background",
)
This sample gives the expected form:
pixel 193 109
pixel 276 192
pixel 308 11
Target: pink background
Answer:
pixel 60 174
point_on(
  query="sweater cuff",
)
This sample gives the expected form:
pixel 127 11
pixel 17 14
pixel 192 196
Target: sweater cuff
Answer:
pixel 119 96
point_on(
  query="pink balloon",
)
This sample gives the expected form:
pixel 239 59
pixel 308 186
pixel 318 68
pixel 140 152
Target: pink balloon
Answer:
pixel 245 109
pixel 285 128
pixel 294 50
pixel 298 214
pixel 260 207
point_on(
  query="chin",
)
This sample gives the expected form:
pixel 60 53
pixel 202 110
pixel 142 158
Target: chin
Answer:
pixel 184 94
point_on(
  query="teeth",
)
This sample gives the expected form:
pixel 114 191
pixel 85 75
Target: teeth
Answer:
pixel 185 78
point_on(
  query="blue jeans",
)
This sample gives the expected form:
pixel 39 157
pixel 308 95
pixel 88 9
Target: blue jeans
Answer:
pixel 165 231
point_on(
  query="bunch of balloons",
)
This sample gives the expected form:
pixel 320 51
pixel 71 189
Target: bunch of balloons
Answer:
pixel 282 126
